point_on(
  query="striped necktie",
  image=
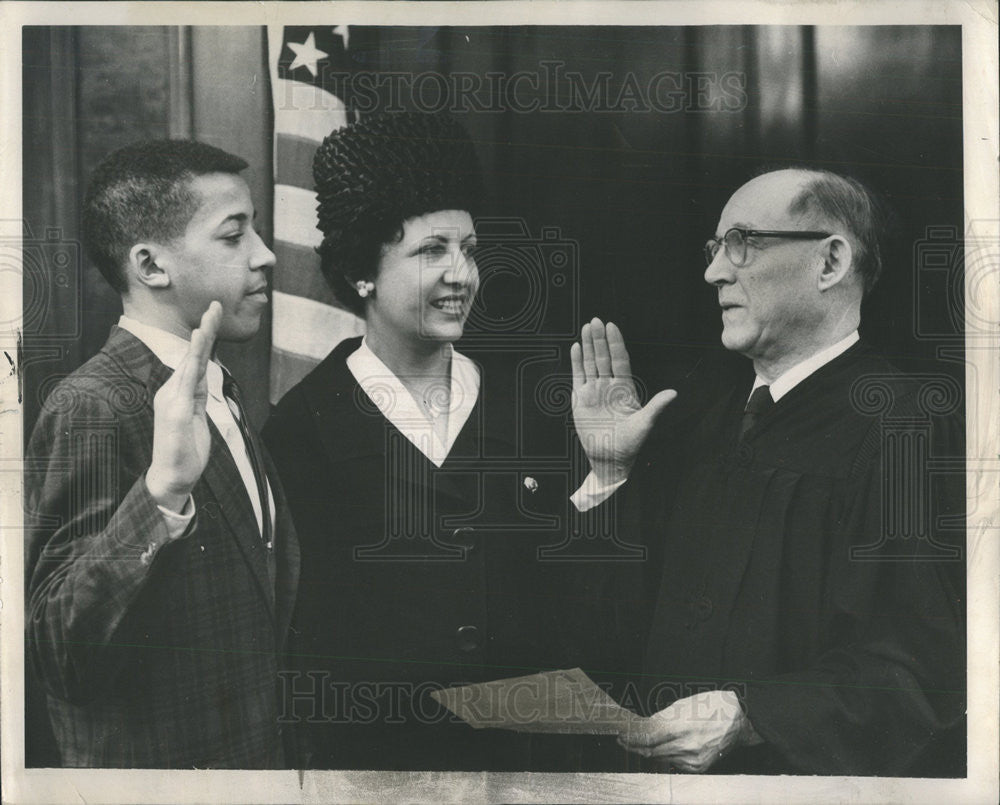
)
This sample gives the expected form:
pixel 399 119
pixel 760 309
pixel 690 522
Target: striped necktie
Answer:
pixel 232 394
pixel 759 403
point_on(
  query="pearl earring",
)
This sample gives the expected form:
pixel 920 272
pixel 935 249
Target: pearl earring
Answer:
pixel 364 288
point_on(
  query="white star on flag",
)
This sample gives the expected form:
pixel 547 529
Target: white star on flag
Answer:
pixel 306 54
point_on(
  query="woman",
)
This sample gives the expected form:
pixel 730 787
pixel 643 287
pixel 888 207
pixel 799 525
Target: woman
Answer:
pixel 418 508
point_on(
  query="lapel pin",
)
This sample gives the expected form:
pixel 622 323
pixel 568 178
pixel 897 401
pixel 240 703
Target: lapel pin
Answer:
pixel 530 484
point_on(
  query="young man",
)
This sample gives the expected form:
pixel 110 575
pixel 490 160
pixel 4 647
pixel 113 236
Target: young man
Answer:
pixel 161 560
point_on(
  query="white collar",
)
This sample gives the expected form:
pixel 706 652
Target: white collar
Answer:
pixel 170 349
pixel 791 378
pixel 397 405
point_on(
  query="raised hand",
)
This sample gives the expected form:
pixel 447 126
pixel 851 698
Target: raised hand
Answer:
pixel 181 438
pixel 610 422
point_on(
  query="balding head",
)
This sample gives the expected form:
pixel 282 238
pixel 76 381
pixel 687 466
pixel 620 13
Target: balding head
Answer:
pixel 783 262
pixel 838 202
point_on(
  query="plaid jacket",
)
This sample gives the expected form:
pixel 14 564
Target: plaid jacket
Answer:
pixel 153 653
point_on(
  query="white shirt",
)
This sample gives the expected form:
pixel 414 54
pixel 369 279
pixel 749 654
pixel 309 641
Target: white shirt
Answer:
pixel 170 349
pixel 592 493
pixel 397 405
pixel 791 378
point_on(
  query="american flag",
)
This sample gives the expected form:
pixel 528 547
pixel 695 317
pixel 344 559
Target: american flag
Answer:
pixel 308 65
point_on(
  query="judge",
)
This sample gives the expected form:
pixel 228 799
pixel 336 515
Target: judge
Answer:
pixel 788 634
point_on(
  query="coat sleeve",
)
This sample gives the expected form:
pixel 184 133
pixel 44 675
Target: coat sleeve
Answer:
pixel 890 680
pixel 92 535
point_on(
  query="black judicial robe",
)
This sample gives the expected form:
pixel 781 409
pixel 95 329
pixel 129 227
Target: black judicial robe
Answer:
pixel 416 577
pixel 846 648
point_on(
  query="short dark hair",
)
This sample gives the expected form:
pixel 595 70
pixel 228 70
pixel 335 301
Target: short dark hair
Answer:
pixel 376 174
pixel 142 192
pixel 848 202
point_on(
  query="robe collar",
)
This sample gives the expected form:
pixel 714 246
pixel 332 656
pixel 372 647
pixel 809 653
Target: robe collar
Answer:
pixel 791 378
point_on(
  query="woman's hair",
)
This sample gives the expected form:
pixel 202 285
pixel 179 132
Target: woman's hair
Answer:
pixel 374 175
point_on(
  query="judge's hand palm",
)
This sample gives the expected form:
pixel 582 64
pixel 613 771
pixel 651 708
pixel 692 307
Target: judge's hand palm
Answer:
pixel 609 420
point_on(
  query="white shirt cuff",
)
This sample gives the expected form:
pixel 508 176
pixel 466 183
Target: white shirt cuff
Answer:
pixel 593 493
pixel 177 523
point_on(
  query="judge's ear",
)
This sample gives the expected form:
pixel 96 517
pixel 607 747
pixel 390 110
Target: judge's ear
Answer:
pixel 143 268
pixel 837 259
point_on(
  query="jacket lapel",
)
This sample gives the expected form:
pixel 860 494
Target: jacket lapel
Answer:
pixel 334 398
pixel 221 477
pixel 286 551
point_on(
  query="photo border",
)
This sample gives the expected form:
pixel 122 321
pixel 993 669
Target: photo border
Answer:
pixel 978 19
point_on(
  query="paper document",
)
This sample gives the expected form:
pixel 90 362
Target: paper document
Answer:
pixel 554 702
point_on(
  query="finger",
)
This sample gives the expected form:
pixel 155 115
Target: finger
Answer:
pixel 193 367
pixel 665 749
pixel 576 362
pixel 635 750
pixel 642 740
pixel 652 409
pixel 211 320
pixel 646 737
pixel 587 342
pixel 687 761
pixel 187 371
pixel 601 355
pixel 209 329
pixel 621 366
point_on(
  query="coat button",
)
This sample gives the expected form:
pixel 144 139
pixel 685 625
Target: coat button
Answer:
pixel 744 455
pixel 468 638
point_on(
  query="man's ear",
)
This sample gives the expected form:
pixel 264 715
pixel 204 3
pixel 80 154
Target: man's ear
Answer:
pixel 837 260
pixel 143 267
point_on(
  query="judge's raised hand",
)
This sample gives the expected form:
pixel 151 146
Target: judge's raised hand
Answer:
pixel 694 733
pixel 181 439
pixel 609 420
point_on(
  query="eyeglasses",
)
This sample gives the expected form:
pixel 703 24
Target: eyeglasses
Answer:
pixel 735 241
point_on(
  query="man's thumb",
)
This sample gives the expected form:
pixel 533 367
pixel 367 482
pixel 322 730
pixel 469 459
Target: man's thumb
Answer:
pixel 652 409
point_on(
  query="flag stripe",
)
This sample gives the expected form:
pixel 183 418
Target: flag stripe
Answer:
pixel 293 158
pixel 307 321
pixel 312 328
pixel 298 273
pixel 305 110
pixel 287 369
pixel 295 216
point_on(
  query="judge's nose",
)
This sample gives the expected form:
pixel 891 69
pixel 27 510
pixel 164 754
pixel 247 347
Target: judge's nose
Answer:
pixel 720 271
